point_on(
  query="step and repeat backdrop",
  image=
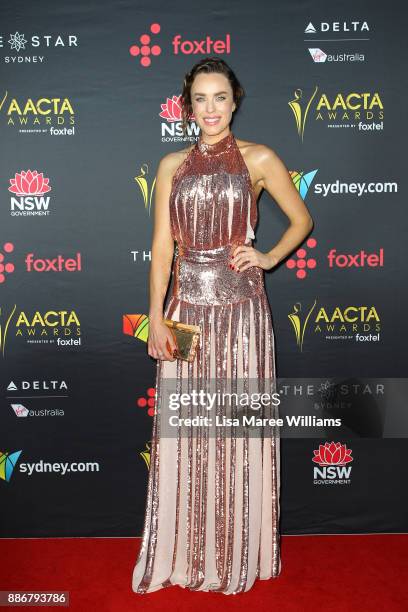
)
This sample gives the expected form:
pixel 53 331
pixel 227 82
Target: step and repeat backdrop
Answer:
pixel 89 104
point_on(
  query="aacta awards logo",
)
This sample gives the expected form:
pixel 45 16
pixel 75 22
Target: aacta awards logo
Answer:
pixel 29 189
pixel 37 116
pixel 60 328
pixel 354 323
pixel 361 110
pixel 146 186
pixel 333 467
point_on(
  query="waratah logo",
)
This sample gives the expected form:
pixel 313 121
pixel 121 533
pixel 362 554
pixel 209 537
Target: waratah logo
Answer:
pixel 332 453
pixel 171 110
pixel 27 183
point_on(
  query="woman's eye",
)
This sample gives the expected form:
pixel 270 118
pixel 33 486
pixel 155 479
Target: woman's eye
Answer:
pixel 219 97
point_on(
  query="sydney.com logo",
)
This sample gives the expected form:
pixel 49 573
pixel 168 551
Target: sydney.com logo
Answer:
pixel 8 462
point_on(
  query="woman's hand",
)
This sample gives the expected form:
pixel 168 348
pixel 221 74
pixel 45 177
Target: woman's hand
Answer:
pixel 160 343
pixel 244 257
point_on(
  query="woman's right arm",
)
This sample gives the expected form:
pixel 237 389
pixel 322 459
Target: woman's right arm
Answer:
pixel 161 262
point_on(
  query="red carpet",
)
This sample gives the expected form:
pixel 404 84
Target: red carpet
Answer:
pixel 341 573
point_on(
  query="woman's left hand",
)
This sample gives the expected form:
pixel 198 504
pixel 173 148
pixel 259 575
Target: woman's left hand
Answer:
pixel 244 257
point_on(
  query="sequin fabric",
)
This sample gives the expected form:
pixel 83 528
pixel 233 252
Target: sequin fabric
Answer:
pixel 213 501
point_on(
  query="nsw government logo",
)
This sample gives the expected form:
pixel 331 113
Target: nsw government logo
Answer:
pixel 333 459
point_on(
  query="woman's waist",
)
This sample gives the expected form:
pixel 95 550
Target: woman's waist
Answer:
pixel 203 276
pixel 208 255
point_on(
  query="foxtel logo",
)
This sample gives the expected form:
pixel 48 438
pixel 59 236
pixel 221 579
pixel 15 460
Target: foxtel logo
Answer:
pixel 205 46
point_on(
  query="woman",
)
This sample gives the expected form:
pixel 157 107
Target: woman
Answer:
pixel 212 513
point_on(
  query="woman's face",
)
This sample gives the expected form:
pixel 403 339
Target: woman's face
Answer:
pixel 212 102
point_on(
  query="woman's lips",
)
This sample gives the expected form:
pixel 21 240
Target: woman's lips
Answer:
pixel 211 121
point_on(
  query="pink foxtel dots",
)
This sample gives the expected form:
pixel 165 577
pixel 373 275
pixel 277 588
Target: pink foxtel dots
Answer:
pixel 302 262
pixel 8 247
pixel 150 403
pixel 144 50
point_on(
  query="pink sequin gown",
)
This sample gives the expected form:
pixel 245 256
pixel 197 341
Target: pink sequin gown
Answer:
pixel 213 502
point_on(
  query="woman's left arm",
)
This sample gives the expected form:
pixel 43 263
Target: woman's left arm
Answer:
pixel 275 178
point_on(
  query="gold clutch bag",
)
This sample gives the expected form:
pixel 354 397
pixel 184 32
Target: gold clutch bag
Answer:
pixel 186 337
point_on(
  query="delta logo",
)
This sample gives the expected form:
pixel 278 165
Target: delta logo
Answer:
pixel 61 328
pixel 30 194
pixel 337 26
pixel 147 46
pixel 359 111
pixel 360 324
pixel 332 459
pixel 40 116
pixel 42 386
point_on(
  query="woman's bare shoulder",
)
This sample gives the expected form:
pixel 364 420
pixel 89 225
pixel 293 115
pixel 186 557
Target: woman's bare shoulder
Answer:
pixel 256 151
pixel 260 160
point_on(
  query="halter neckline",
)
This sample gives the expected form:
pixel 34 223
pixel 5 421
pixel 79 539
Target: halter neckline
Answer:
pixel 217 147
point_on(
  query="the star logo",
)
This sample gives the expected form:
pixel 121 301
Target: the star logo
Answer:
pixel 17 41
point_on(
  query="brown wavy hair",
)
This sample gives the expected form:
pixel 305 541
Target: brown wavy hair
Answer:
pixel 207 65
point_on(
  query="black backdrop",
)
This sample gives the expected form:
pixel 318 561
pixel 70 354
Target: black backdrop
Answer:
pixel 80 109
